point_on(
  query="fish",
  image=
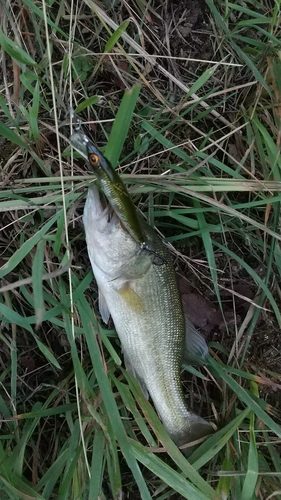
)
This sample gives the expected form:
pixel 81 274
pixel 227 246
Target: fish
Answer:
pixel 142 297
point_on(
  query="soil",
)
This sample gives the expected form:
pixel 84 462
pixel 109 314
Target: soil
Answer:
pixel 188 22
pixel 188 34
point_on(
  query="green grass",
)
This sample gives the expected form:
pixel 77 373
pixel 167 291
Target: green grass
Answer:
pixel 198 145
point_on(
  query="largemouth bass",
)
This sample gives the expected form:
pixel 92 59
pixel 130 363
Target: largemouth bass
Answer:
pixel 143 300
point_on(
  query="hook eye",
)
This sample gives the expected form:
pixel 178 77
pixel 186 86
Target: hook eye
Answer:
pixel 158 260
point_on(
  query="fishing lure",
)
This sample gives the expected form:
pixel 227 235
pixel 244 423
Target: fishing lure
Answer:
pixel 113 188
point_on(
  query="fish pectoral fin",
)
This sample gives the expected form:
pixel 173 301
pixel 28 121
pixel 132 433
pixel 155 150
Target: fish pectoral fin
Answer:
pixel 103 308
pixel 131 298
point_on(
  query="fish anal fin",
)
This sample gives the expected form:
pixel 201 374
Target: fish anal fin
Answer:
pixel 131 369
pixel 195 350
pixel 131 298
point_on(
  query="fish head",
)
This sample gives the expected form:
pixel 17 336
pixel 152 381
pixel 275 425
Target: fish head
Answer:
pixel 111 248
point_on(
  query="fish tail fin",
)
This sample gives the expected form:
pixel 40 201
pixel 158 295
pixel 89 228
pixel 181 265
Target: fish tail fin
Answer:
pixel 192 433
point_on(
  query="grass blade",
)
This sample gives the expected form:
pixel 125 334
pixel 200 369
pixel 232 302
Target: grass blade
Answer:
pixel 97 466
pixel 27 246
pixel 251 477
pixel 116 36
pixel 37 273
pixel 121 125
pixel 246 398
pixel 12 136
pixel 167 474
pixel 110 404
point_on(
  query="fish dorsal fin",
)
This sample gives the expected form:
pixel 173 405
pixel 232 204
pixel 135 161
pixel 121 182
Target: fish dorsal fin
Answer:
pixel 131 298
pixel 195 349
pixel 103 308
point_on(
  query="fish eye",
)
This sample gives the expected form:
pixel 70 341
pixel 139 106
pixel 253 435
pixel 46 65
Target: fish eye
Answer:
pixel 93 159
